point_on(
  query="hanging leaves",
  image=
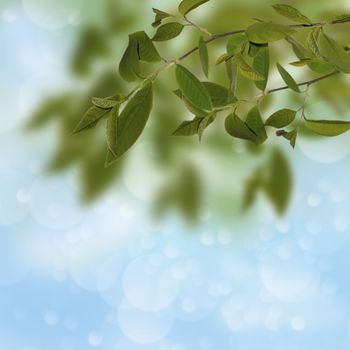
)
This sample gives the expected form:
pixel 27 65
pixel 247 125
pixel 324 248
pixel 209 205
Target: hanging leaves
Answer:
pixel 193 89
pixel 168 31
pixel 203 55
pixel 327 127
pixel 261 64
pixel 288 79
pixel 187 6
pixel 281 118
pixel 292 13
pixel 266 32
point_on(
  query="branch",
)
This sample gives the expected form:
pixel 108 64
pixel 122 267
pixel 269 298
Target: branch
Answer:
pixel 307 83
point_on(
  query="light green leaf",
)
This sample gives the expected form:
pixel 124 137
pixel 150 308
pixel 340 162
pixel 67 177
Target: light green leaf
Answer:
pixel 188 127
pixel 288 79
pixel 291 13
pixel 203 55
pixel 237 128
pixel 311 42
pixel 193 89
pixel 219 95
pixel 256 125
pixel 281 118
pixel 266 32
pixel 168 31
pixel 133 119
pixel 160 15
pixel 300 63
pixel 145 47
pixel 327 127
pixel 235 43
pixel 90 119
pixel 112 130
pixel 224 58
pixel 261 64
pixel 246 70
pixel 187 6
pixel 105 103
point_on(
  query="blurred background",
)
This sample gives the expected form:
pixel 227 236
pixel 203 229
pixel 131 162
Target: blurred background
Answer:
pixel 154 252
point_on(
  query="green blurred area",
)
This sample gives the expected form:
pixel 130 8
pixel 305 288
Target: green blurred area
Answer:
pixel 219 172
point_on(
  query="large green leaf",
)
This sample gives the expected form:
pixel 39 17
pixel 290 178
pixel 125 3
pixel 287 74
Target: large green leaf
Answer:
pixel 237 128
pixel 255 124
pixel 133 119
pixel 193 89
pixel 218 94
pixel 90 119
pixel 281 118
pixel 145 47
pixel 193 109
pixel 112 130
pixel 261 64
pixel 327 127
pixel 246 70
pixel 203 55
pixel 129 64
pixel 168 31
pixel 187 6
pixel 288 79
pixel 266 32
pixel 291 13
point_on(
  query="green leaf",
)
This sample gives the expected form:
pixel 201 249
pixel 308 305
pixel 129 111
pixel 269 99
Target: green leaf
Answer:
pixel 246 70
pixel 133 119
pixel 311 42
pixel 145 47
pixel 193 109
pixel 261 64
pixel 288 79
pixel 252 187
pixel 129 64
pixel 203 55
pixel 193 89
pixel 105 103
pixel 224 58
pixel 235 43
pixel 187 6
pixel 289 135
pixel 237 128
pixel 203 125
pixel 279 184
pixel 281 118
pixel 188 127
pixel 327 127
pixel 112 130
pixel 219 95
pixel 255 124
pixel 291 13
pixel 90 119
pixel 168 31
pixel 266 32
pixel 300 63
pixel 160 15
pixel 254 49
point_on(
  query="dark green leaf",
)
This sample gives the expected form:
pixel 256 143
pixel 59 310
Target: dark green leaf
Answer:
pixel 145 47
pixel 261 64
pixel 289 135
pixel 246 70
pixel 291 13
pixel 90 119
pixel 188 127
pixel 288 79
pixel 160 15
pixel 237 128
pixel 168 31
pixel 129 64
pixel 281 118
pixel 328 127
pixel 187 6
pixel 255 124
pixel 193 89
pixel 203 55
pixel 112 130
pixel 218 94
pixel 254 49
pixel 266 32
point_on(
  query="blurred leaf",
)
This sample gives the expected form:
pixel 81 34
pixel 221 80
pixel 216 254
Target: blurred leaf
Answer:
pixel 168 31
pixel 281 118
pixel 193 89
pixel 254 49
pixel 90 119
pixel 327 127
pixel 300 63
pixel 289 135
pixel 261 64
pixel 291 13
pixel 160 15
pixel 255 124
pixel 104 103
pixel 187 6
pixel 252 187
pixel 112 130
pixel 203 55
pixel 203 124
pixel 237 128
pixel 288 79
pixel 235 43
pixel 246 70
pixel 266 32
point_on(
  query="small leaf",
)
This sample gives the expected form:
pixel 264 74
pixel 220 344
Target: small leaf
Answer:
pixel 104 103
pixel 237 128
pixel 327 127
pixel 133 119
pixel 203 55
pixel 188 127
pixel 300 63
pixel 112 130
pixel 219 95
pixel 90 119
pixel 235 43
pixel 281 118
pixel 311 42
pixel 129 64
pixel 255 124
pixel 266 32
pixel 160 15
pixel 289 135
pixel 246 70
pixel 145 47
pixel 288 79
pixel 203 125
pixel 261 64
pixel 168 31
pixel 292 13
pixel 193 89
pixel 187 6
pixel 223 58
